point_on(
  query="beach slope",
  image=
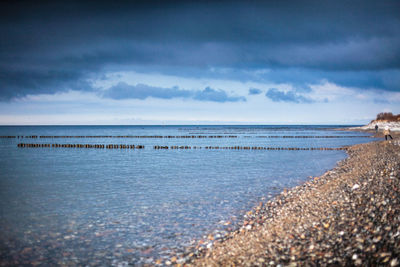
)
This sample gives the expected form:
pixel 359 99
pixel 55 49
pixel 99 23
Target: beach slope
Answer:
pixel 348 216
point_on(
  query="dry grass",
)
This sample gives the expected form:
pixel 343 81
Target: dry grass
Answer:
pixel 387 116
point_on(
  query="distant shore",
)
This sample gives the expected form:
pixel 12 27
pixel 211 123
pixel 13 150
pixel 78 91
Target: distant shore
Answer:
pixel 348 216
pixel 393 126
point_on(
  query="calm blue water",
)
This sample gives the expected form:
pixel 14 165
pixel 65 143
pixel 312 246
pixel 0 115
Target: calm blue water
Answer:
pixel 108 207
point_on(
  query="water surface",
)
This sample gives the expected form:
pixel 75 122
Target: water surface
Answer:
pixel 121 206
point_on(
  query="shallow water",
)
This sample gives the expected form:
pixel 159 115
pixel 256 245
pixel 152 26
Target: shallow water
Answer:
pixel 115 206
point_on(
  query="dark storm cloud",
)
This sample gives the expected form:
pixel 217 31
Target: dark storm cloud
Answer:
pixel 279 96
pixel 141 91
pixel 301 78
pixel 58 45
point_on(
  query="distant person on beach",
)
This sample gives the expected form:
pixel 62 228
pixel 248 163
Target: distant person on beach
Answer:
pixel 386 132
pixel 376 127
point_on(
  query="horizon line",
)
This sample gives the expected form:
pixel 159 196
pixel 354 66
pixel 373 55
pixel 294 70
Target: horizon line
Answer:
pixel 288 124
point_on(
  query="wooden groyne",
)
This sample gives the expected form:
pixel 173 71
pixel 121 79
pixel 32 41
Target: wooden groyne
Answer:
pixel 313 136
pixel 136 136
pixel 108 146
pixel 248 148
pixel 181 136
pixel 129 146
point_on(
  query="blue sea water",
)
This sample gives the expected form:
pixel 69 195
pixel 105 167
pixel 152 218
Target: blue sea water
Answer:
pixel 78 206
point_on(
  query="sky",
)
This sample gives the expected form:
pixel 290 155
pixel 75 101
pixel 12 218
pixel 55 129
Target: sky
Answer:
pixel 198 62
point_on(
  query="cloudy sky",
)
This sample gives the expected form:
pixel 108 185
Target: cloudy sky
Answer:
pixel 198 62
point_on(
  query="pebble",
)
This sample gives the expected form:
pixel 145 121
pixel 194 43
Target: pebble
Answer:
pixel 356 186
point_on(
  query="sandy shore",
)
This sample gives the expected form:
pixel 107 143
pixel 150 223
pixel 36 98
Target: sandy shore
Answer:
pixel 348 216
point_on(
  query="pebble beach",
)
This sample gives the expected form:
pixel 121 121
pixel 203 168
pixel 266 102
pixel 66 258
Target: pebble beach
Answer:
pixel 348 216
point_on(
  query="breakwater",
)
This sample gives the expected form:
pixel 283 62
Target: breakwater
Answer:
pixel 120 136
pixel 182 136
pixel 129 146
pixel 109 146
pixel 249 148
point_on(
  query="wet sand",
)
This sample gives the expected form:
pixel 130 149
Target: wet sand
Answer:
pixel 348 216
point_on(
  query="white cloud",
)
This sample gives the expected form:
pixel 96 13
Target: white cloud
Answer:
pixel 69 96
pixel 329 91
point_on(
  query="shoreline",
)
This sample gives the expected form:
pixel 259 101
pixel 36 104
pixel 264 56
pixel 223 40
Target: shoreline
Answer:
pixel 331 219
pixel 394 126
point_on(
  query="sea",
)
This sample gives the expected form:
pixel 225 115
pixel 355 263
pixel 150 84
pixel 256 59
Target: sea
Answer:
pixel 157 192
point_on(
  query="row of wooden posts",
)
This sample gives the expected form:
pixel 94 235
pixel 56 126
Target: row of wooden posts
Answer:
pixel 180 136
pixel 121 136
pixel 109 146
pixel 249 148
pixel 123 146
